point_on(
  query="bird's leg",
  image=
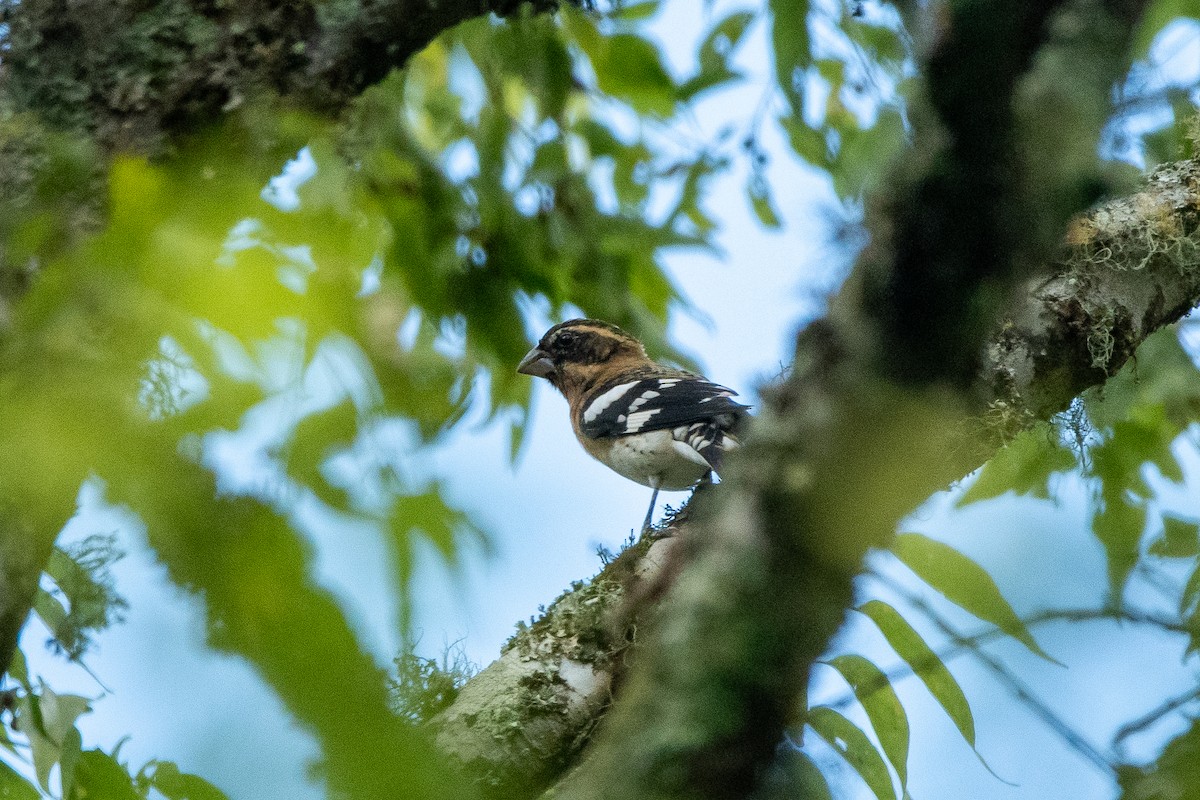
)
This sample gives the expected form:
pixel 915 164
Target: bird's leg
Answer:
pixel 650 510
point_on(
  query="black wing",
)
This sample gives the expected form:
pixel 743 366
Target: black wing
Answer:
pixel 652 404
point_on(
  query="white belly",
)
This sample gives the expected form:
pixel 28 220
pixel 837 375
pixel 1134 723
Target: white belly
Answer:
pixel 656 458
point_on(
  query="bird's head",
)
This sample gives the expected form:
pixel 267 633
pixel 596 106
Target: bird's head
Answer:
pixel 573 353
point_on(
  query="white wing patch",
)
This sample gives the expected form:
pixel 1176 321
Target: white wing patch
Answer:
pixel 639 419
pixel 597 406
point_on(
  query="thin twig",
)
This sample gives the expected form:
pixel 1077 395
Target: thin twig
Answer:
pixel 1143 722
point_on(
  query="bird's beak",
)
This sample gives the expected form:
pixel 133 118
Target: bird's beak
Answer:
pixel 536 363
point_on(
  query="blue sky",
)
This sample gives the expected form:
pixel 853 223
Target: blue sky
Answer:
pixel 546 516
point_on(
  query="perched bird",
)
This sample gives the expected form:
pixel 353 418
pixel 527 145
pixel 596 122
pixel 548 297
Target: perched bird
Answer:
pixel 662 427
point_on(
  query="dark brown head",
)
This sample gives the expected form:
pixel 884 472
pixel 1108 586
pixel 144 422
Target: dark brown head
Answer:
pixel 573 354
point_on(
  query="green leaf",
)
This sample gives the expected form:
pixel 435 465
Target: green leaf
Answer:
pixel 52 612
pixel 703 81
pixel 808 781
pixel 1180 538
pixel 881 43
pixel 1119 525
pixel 1023 467
pixel 627 67
pixel 98 775
pixel 1189 608
pixel 68 761
pixel 883 708
pixel 15 787
pixel 760 201
pixel 1157 16
pixel 18 670
pixel 864 154
pixel 633 12
pixel 177 785
pixel 925 664
pixel 964 583
pixel 854 746
pixel 789 38
pixel 633 71
pixel 808 143
pixel 722 40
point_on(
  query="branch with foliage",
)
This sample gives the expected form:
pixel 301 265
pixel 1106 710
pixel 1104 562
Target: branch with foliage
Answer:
pixel 211 216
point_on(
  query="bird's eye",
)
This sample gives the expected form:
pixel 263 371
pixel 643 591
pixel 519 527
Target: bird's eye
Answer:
pixel 567 338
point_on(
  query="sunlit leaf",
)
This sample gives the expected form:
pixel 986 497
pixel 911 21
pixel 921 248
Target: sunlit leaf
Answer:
pixel 874 691
pixel 964 583
pixel 854 746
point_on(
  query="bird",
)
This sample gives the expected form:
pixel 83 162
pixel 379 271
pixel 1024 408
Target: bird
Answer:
pixel 662 427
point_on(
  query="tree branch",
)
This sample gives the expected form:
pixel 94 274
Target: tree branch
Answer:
pixel 873 418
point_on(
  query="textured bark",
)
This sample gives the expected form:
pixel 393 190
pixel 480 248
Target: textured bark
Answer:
pixel 515 726
pixel 134 77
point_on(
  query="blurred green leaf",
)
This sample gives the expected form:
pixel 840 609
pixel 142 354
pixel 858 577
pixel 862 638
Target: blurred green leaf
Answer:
pixel 98 775
pixel 1119 525
pixel 808 143
pixel 167 778
pixel 1171 142
pixel 789 40
pixel 14 787
pixel 48 721
pixel 1172 776
pixel 874 691
pixel 854 746
pixel 81 573
pixel 864 154
pixel 760 200
pixel 720 43
pixel 964 583
pixel 1163 375
pixel 925 664
pixel 1024 467
pixel 627 66
pixel 809 782
pixel 1157 15
pixel 1180 538
pixel 636 11
pixel 882 44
